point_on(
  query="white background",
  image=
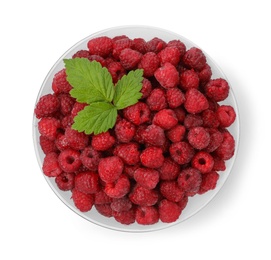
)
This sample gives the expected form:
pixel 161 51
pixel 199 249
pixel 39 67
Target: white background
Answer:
pixel 35 224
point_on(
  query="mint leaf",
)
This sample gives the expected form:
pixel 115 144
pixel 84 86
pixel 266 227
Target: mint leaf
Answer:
pixel 128 88
pixel 90 81
pixel 96 118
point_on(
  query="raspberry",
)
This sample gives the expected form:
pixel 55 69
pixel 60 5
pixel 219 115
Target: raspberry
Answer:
pixel 195 101
pixel 97 58
pixel 116 70
pixel 146 88
pixel 157 100
pixel 66 103
pixel 225 115
pixel 129 58
pixel 129 153
pixel 110 168
pixel 169 211
pixel 203 161
pixel 60 83
pixel 47 145
pixel 216 139
pixel 181 152
pixel 149 63
pixel 204 74
pixel 82 201
pixel 170 54
pixel 155 45
pixel 146 215
pixel 137 114
pixel 81 54
pixel 226 150
pixel 189 181
pixel 66 121
pixel 217 89
pixel 90 158
pixel 124 131
pixel 50 166
pixel 101 46
pixel 65 181
pixel 169 170
pixel 219 164
pixel 165 118
pixel 167 75
pixel 102 141
pixel 146 177
pixel 119 188
pixel 139 133
pixel 171 191
pixel 121 204
pixel 178 44
pixel 192 120
pixel 183 202
pixel 61 142
pixel 125 217
pixel 48 127
pixel 176 133
pixel 143 197
pixel 69 160
pixel 87 182
pixel 209 181
pixel 152 157
pixel 75 139
pixel 189 79
pixel 77 107
pixel 119 45
pixel 46 106
pixel 102 198
pixel 139 44
pixel 104 209
pixel 175 97
pixel 209 119
pixel 194 58
pixel 198 137
pixel 154 135
pixel 180 114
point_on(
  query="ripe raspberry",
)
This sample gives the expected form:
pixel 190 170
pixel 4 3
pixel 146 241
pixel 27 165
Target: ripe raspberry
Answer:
pixel 209 181
pixel 116 70
pixel 170 54
pixel 146 88
pixel 189 79
pixel 61 142
pixel 139 44
pixel 149 63
pixel 176 133
pixel 203 161
pixel 81 54
pixel 195 101
pixel 198 137
pixel 119 45
pixel 101 46
pixel 125 217
pixel 219 164
pixel 66 122
pixel 152 157
pixel 209 119
pixel 226 150
pixel 157 99
pixel 66 103
pixel 178 44
pixel 65 181
pixel 75 139
pixel 97 58
pixel 192 120
pixel 124 131
pixel 175 97
pixel 165 118
pixel 146 177
pixel 46 106
pixel 119 188
pixel 102 141
pixel 129 153
pixel 169 211
pixel 139 133
pixel 104 209
pixel 110 168
pixel 90 158
pixel 204 74
pixel 129 58
pixel 169 170
pixel 121 204
pixel 167 75
pixel 225 115
pixel 171 191
pixel 102 198
pixel 155 45
pixel 47 145
pixel 180 114
pixel 217 89
pixel 181 152
pixel 137 114
pixel 50 166
pixel 82 201
pixel 143 197
pixel 194 58
pixel 60 83
pixel 216 139
pixel 48 127
pixel 146 215
pixel 87 182
pixel 154 135
pixel 183 202
pixel 189 181
pixel 77 107
pixel 69 160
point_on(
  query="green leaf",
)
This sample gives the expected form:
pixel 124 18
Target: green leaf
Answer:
pixel 90 81
pixel 127 91
pixel 96 118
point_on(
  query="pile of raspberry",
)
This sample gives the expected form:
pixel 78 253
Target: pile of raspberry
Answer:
pixel 168 147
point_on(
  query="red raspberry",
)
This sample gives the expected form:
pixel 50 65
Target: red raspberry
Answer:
pixel 152 157
pixel 225 115
pixel 97 58
pixel 216 139
pixel 77 107
pixel 204 74
pixel 66 103
pixel 203 161
pixel 169 170
pixel 146 215
pixel 176 133
pixel 209 181
pixel 171 191
pixel 198 137
pixel 146 177
pixel 143 197
pixel 189 79
pixel 217 89
pixel 125 217
pixel 138 113
pixel 189 181
pixel 169 211
pixel 195 101
pixel 139 133
pixel 194 58
pixel 129 153
pixel 149 63
pixel 124 131
pixel 66 121
pixel 219 164
pixel 104 209
pixel 178 44
pixel 48 127
pixel 180 114
pixel 139 44
pixel 102 198
pixel 165 118
pixel 65 181
pixel 175 97
pixel 170 54
pixel 146 88
pixel 183 202
pixel 46 106
pixel 82 201
pixel 167 75
pixel 61 142
pixel 226 150
pixel 119 188
pixel 209 119
pixel 60 83
pixel 101 46
pixel 181 152
pixel 155 45
pixel 81 54
pixel 50 166
pixel 75 139
pixel 110 168
pixel 87 182
pixel 192 120
pixel 157 99
pixel 90 158
pixel 102 141
pixel 121 204
pixel 69 160
pixel 116 70
pixel 47 145
pixel 129 58
pixel 119 45
pixel 154 135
